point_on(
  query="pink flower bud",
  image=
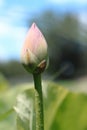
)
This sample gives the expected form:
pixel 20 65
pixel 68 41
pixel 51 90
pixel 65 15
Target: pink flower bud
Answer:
pixel 34 52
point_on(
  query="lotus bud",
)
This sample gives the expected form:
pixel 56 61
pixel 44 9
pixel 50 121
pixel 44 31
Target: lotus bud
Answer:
pixel 34 55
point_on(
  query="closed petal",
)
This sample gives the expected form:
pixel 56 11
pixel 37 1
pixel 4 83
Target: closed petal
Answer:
pixel 29 58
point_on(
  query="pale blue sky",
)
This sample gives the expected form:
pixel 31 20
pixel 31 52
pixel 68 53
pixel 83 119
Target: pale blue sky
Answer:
pixel 13 15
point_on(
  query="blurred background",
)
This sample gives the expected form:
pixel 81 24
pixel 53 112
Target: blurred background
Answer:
pixel 64 25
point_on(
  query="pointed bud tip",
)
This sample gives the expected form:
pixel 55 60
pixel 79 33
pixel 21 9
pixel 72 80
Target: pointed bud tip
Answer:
pixel 34 25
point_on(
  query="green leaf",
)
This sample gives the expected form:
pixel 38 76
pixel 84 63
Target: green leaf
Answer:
pixel 6 114
pixel 26 110
pixel 4 85
pixel 63 109
pixel 53 98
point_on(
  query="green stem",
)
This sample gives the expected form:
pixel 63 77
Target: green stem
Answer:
pixel 38 102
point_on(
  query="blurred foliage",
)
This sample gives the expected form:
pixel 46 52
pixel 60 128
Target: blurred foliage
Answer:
pixel 3 83
pixel 64 109
pixel 55 25
pixel 12 70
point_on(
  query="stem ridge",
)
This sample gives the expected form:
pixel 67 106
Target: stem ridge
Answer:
pixel 38 102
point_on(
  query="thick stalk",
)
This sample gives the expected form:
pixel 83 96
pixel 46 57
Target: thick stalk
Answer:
pixel 38 102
